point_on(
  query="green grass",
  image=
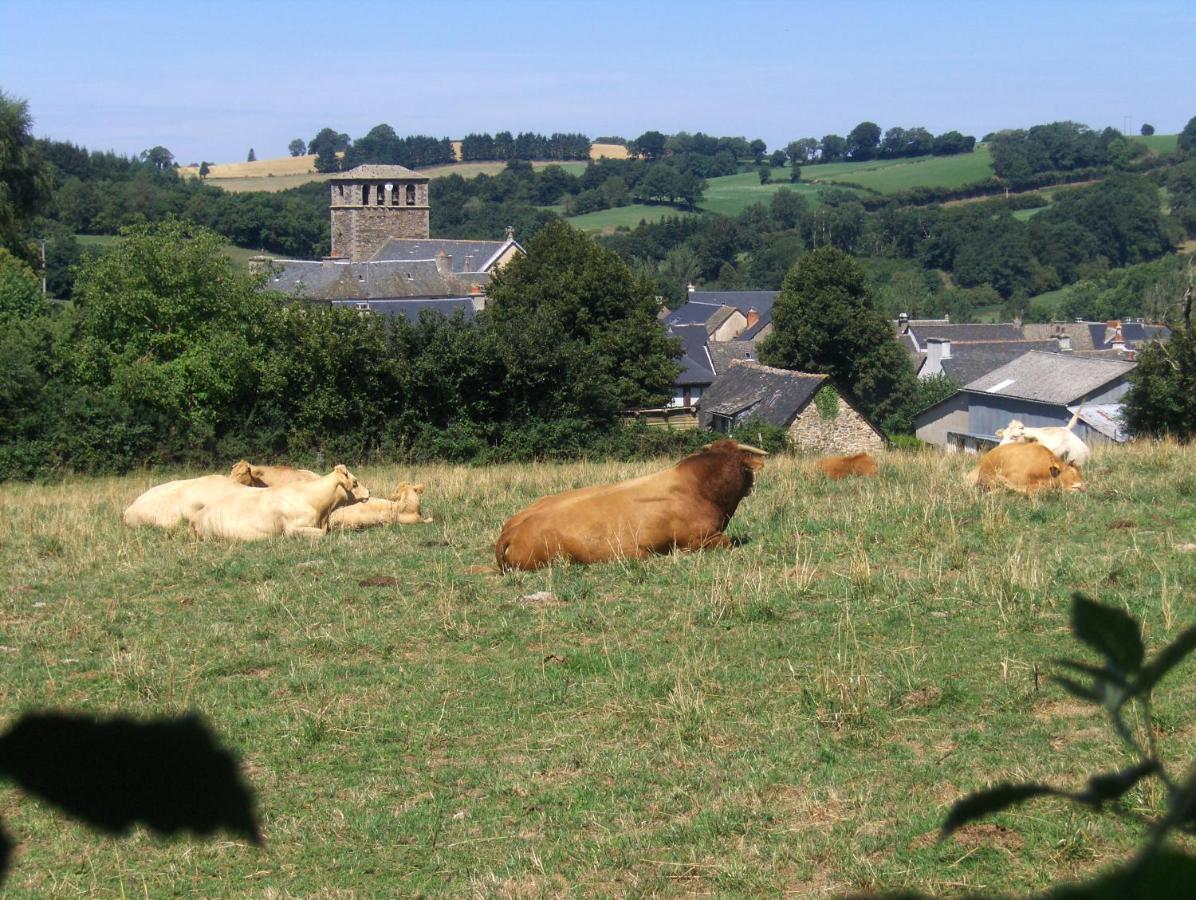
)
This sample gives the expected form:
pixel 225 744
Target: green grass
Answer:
pixel 888 176
pixel 101 243
pixel 607 220
pixel 794 715
pixel 732 194
pixel 1159 143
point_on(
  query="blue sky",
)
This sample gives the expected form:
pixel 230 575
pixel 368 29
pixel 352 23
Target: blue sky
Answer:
pixel 210 79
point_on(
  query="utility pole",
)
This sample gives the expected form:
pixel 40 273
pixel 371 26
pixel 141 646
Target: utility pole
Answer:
pixel 43 243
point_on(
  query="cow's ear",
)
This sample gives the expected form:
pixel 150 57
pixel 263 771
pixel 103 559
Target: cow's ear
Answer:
pixel 418 488
pixel 1000 432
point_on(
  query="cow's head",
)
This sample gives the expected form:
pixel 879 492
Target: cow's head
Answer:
pixel 1013 432
pixel 1067 476
pixel 242 473
pixel 751 458
pixel 354 490
pixel 406 497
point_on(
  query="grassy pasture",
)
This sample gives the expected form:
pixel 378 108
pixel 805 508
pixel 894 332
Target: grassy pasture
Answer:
pixel 1159 143
pixel 793 715
pixel 607 220
pixel 888 176
pixel 732 194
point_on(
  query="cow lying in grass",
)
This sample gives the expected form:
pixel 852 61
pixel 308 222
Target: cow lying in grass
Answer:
pixel 1063 442
pixel 300 508
pixel 1026 467
pixel 684 508
pixel 170 504
pixel 862 464
pixel 401 509
pixel 278 476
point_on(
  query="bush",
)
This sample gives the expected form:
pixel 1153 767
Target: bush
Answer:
pixel 772 438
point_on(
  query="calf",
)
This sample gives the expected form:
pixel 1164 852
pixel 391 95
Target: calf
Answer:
pixel 401 509
pixel 862 464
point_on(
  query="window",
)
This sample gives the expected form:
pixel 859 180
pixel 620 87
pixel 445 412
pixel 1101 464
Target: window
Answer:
pixel 721 423
pixel 341 191
pixel 365 195
pixel 381 196
pixel 411 195
pixel 394 195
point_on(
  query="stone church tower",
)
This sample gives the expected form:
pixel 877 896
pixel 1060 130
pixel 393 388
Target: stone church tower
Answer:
pixel 371 204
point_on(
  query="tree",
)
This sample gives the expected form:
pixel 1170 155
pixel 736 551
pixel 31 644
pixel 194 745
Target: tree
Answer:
pixel 20 291
pixel 25 186
pixel 204 169
pixel 794 173
pixel 758 148
pixel 1187 138
pixel 252 156
pixel 777 159
pixel 158 157
pixel 297 147
pixel 584 295
pixel 1162 400
pixel 832 148
pixel 1146 130
pixel 863 141
pixel 802 151
pixel 649 145
pixel 765 174
pixel 824 321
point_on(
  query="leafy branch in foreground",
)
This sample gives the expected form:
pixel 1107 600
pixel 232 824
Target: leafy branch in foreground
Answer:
pixel 1122 685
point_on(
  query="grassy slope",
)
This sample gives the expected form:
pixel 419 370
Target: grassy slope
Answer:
pixel 1159 143
pixel 732 194
pixel 793 715
pixel 607 220
pixel 893 175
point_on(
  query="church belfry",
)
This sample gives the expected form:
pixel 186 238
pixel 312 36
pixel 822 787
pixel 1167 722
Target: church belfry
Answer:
pixel 372 204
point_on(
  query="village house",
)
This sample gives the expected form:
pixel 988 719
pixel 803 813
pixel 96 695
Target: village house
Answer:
pixel 1040 389
pixel 816 416
pixel 382 258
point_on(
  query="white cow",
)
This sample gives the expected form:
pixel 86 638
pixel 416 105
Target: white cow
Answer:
pixel 401 509
pixel 170 504
pixel 300 508
pixel 1060 441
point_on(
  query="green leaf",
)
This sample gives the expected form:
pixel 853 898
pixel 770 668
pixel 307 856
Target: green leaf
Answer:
pixel 983 803
pixel 1102 788
pixel 1169 657
pixel 1112 633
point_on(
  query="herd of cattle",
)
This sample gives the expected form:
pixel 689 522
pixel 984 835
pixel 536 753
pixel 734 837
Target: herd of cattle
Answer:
pixel 685 507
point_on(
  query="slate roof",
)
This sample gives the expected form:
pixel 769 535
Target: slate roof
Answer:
pixel 1050 377
pixel 411 309
pixel 375 172
pixel 723 352
pixel 970 361
pixel 701 305
pixel 747 388
pixel 327 280
pixel 1079 332
pixel 479 253
pixel 1004 331
pixel 697 368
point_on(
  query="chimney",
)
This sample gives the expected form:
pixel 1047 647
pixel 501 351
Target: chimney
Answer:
pixel 1064 343
pixel 444 263
pixel 937 349
pixel 753 317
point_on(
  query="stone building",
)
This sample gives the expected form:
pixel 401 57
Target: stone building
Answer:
pixel 382 256
pixel 817 417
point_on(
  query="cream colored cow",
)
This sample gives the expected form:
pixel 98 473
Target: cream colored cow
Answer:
pixel 401 509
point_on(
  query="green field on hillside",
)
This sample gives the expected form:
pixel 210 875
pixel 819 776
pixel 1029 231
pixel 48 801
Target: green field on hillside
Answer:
pixel 1159 143
pixel 732 194
pixel 607 220
pixel 101 243
pixel 791 716
pixel 888 176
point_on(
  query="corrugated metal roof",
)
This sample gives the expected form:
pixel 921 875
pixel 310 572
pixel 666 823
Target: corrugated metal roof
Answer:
pixel 1105 418
pixel 1050 377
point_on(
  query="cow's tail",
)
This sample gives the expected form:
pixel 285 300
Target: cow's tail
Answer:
pixel 500 551
pixel 1076 417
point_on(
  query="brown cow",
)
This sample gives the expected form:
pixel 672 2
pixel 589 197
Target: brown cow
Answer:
pixel 685 508
pixel 1027 467
pixel 837 467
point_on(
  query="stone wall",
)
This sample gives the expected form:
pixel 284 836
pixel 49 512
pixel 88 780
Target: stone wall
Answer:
pixel 360 230
pixel 846 432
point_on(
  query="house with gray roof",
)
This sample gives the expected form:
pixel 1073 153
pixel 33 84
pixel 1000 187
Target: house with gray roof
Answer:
pixel 727 315
pixel 1040 389
pixel 748 391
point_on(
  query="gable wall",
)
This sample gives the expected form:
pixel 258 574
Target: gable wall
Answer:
pixel 847 432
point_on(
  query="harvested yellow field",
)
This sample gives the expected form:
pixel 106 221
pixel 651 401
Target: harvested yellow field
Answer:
pixel 262 168
pixel 610 151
